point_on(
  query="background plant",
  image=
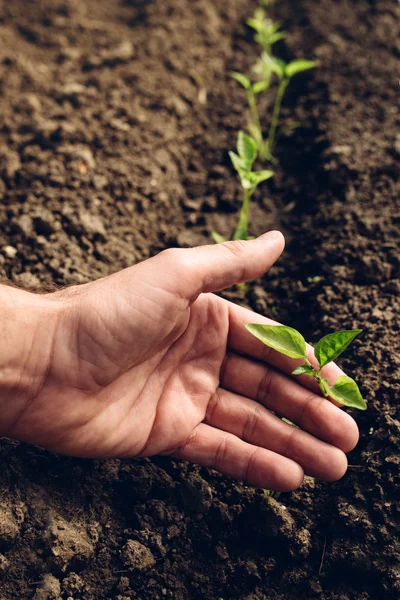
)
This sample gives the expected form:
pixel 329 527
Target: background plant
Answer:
pixel 290 342
pixel 249 179
pixel 267 33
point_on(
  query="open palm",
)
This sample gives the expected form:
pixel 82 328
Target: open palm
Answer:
pixel 149 361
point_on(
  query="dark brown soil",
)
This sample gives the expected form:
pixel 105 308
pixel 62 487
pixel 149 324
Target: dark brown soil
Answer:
pixel 116 118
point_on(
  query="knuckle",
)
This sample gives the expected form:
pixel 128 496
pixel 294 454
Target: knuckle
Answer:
pixel 190 441
pixel 264 387
pixel 290 440
pixel 175 256
pixel 220 454
pixel 251 423
pixel 250 465
pixel 310 399
pixel 237 247
pixel 212 405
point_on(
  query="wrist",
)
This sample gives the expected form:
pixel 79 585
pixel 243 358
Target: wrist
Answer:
pixel 28 324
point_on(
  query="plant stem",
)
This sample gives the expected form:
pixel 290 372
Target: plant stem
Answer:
pixel 255 119
pixel 241 232
pixel 275 114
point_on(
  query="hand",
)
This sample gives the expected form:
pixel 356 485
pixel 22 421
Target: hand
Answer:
pixel 148 361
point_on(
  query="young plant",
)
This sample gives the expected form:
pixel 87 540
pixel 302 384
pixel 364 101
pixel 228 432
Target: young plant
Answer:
pixel 267 33
pixel 250 180
pixel 285 72
pixel 253 89
pixel 290 342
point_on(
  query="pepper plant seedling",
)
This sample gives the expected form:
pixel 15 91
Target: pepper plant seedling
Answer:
pixel 250 180
pixel 267 33
pixel 290 342
pixel 284 71
pixel 252 90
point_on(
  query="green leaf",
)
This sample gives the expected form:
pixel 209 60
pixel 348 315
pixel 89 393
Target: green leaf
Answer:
pixel 278 66
pixel 255 23
pixel 259 176
pixel 332 345
pixel 304 370
pixel 238 163
pixel 242 79
pixel 285 340
pixel 260 86
pixel 298 66
pixel 346 392
pixel 279 35
pixel 246 148
pixel 251 179
pixel 218 238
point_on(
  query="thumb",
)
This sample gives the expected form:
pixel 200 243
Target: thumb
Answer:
pixel 211 268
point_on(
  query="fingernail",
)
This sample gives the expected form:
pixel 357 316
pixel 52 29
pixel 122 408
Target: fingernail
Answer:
pixel 270 235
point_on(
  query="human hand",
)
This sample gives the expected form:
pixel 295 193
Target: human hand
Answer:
pixel 149 361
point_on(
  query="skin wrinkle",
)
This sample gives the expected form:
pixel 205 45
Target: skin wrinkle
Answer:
pixel 14 424
pixel 212 405
pixel 264 387
pixel 180 451
pixel 220 454
pixel 291 435
pixel 235 249
pixel 310 398
pixel 251 423
pixel 250 464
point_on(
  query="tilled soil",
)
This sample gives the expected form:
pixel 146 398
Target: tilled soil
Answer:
pixel 115 121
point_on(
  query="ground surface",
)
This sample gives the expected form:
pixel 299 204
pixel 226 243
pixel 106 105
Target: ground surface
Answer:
pixel 116 117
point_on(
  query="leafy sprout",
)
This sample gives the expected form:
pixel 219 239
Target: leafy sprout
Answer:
pixel 285 72
pixel 267 33
pixel 243 162
pixel 290 342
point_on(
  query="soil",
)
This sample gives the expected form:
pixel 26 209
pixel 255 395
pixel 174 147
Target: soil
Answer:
pixel 116 118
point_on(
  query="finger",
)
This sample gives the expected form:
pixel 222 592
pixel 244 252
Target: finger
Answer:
pixel 287 398
pixel 210 268
pixel 243 341
pixel 256 425
pixel 232 456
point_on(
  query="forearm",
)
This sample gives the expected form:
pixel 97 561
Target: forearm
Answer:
pixel 27 325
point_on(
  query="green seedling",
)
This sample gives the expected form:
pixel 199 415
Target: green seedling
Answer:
pixel 290 342
pixel 253 89
pixel 285 72
pixel 243 163
pixel 267 33
pixel 265 67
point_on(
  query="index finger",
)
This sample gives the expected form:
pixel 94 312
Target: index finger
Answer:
pixel 244 342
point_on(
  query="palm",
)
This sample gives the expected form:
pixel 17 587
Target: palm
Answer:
pixel 147 407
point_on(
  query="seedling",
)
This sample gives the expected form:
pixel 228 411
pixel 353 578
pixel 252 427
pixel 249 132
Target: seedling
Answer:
pixel 285 72
pixel 267 33
pixel 290 342
pixel 252 91
pixel 250 180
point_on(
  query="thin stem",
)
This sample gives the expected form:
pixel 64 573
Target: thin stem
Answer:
pixel 275 114
pixel 241 232
pixel 255 119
